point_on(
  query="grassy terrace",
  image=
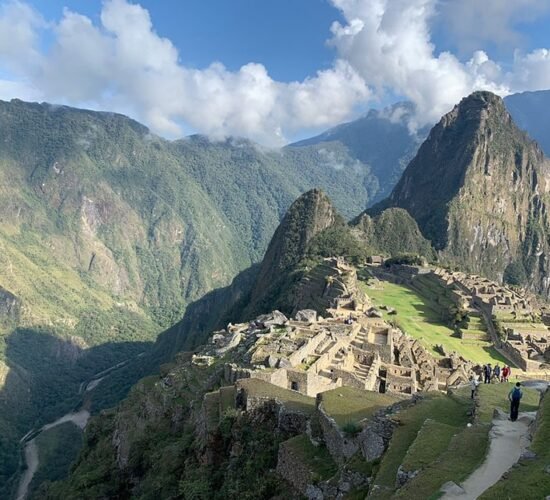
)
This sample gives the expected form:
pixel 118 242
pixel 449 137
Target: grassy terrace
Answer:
pixel 493 396
pixel 465 451
pixel 349 405
pixel 292 399
pixel 317 459
pixel 422 320
pixel 451 412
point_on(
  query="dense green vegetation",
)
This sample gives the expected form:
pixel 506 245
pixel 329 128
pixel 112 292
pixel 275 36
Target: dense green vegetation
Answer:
pixel 338 240
pixel 58 449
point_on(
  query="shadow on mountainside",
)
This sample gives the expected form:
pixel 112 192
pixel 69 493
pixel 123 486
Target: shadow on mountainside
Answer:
pixel 42 374
pixel 47 373
pixel 213 311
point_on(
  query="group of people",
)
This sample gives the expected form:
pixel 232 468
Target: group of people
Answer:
pixel 499 374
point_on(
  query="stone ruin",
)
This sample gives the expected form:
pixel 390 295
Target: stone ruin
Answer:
pixel 527 343
pixel 313 354
pixel 494 299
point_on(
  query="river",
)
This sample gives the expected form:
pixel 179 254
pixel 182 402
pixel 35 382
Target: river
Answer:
pixel 79 418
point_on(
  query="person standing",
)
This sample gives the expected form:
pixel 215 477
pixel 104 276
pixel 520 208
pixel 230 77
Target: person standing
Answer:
pixel 496 372
pixel 488 371
pixel 474 382
pixel 514 396
pixel 505 371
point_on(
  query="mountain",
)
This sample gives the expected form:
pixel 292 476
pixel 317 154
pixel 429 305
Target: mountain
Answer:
pixel 308 216
pixel 381 139
pixel 527 110
pixel 478 189
pixel 109 233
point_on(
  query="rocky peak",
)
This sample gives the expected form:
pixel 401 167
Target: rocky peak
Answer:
pixel 476 189
pixel 310 214
pixel 307 216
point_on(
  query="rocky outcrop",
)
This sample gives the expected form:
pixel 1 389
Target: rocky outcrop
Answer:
pixel 477 189
pixel 392 232
pixel 10 306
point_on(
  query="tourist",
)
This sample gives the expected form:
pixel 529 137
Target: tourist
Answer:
pixel 488 371
pixel 505 373
pixel 496 372
pixel 514 396
pixel 474 382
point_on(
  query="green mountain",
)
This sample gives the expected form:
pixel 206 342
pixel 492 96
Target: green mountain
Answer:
pixel 380 139
pixel 109 233
pixel 478 190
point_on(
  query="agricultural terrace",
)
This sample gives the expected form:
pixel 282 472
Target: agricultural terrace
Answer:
pixel 422 319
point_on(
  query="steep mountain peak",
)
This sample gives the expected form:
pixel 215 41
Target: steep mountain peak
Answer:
pixel 310 214
pixel 307 216
pixel 477 111
pixel 476 189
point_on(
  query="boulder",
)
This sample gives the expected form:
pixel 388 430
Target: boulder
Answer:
pixel 275 318
pixel 314 493
pixel 452 488
pixel 404 476
pixel 272 361
pixel 374 313
pixel 528 455
pixel 372 444
pixel 306 315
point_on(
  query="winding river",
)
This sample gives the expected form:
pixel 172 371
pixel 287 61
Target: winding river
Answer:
pixel 79 418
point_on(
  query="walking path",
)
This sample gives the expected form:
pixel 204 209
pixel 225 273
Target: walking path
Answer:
pixel 508 440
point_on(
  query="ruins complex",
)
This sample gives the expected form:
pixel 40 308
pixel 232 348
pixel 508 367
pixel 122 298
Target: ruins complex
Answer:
pixel 353 347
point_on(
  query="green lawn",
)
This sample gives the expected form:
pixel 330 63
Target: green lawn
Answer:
pixel 432 439
pixel 493 396
pixel 349 405
pixel 466 450
pixel 421 320
pixel 316 458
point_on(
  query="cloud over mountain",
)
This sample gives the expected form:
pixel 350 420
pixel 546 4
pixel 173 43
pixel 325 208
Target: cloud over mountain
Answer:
pixel 120 63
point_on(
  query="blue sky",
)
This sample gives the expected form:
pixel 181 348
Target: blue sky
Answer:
pixel 286 70
pixel 287 36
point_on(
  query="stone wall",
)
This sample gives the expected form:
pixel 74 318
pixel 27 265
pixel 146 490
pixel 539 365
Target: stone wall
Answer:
pixel 308 349
pixel 339 446
pixel 291 467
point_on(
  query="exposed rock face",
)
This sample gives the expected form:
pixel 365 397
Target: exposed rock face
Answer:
pixel 10 305
pixel 478 190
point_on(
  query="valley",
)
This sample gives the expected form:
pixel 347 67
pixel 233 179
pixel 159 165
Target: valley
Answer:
pixel 124 253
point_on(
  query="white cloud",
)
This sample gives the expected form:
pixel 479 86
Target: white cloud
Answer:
pixel 388 42
pixel 122 64
pixel 470 24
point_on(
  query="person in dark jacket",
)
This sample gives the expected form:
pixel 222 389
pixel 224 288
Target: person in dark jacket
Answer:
pixel 496 373
pixel 487 371
pixel 514 396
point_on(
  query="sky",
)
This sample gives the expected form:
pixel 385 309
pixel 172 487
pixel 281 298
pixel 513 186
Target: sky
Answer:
pixel 270 70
